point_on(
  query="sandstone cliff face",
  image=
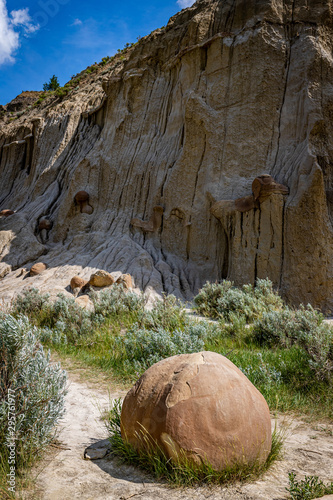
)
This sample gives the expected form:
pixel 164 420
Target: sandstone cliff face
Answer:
pixel 229 90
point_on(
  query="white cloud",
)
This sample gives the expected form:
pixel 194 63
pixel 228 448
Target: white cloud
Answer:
pixel 77 22
pixel 11 28
pixel 185 3
pixel 22 18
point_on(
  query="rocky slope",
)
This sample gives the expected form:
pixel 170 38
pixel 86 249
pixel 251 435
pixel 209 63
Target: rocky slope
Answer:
pixel 188 117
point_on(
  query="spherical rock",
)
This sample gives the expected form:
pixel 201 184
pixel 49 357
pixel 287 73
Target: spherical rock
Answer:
pixel 101 278
pixel 77 282
pixel 37 268
pixel 202 404
pixel 44 224
pixel 125 280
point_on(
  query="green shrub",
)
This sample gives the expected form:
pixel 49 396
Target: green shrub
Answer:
pixel 303 327
pixel 142 348
pixel 30 302
pixel 308 488
pixel 168 313
pixel 116 301
pixel 37 386
pixel 61 92
pixel 220 300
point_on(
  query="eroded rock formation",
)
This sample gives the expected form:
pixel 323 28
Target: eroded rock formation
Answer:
pixel 193 112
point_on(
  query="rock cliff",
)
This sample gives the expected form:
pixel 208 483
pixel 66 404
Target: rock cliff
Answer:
pixel 188 117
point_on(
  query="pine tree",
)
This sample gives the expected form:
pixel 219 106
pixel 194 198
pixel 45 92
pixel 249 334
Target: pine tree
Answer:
pixel 52 85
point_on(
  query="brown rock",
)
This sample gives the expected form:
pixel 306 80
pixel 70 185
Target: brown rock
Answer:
pixel 6 213
pixel 44 224
pixel 264 185
pixel 101 278
pixel 200 403
pixel 82 198
pixel 125 280
pixel 37 268
pixel 77 282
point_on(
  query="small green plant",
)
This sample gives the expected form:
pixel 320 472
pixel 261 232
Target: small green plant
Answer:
pixel 308 488
pixel 181 471
pixel 53 84
pixel 61 92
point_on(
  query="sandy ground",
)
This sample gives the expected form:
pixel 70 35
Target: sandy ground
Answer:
pixel 64 474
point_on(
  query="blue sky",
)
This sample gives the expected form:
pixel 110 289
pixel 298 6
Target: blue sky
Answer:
pixel 62 37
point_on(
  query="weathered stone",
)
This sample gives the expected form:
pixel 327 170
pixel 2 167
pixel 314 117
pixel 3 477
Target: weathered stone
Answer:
pixel 44 224
pixel 37 269
pixel 85 302
pixel 125 280
pixel 200 403
pixel 97 450
pixel 82 199
pixel 77 282
pixel 101 278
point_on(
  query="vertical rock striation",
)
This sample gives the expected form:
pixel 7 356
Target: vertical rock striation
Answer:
pixel 228 91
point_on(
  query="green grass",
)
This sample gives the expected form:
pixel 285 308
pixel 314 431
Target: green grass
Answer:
pixel 182 471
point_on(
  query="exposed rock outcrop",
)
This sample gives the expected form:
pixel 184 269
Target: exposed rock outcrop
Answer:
pixel 202 404
pixel 192 113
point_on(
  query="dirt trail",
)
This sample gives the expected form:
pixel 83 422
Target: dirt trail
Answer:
pixel 65 475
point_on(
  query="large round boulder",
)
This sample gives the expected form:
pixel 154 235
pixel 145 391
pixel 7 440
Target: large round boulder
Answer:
pixel 202 404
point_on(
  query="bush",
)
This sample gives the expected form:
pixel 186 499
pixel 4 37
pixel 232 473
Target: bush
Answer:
pixel 142 348
pixel 116 301
pixel 168 313
pixel 224 300
pixel 303 327
pixel 30 302
pixel 37 387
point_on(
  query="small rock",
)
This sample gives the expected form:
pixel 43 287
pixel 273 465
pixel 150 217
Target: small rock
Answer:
pixel 77 282
pixel 125 280
pixel 101 278
pixel 85 302
pixel 97 450
pixel 37 268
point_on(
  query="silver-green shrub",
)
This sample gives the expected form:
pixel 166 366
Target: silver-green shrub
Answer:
pixel 224 300
pixel 142 348
pixel 30 301
pixel 39 388
pixel 116 300
pixel 304 327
